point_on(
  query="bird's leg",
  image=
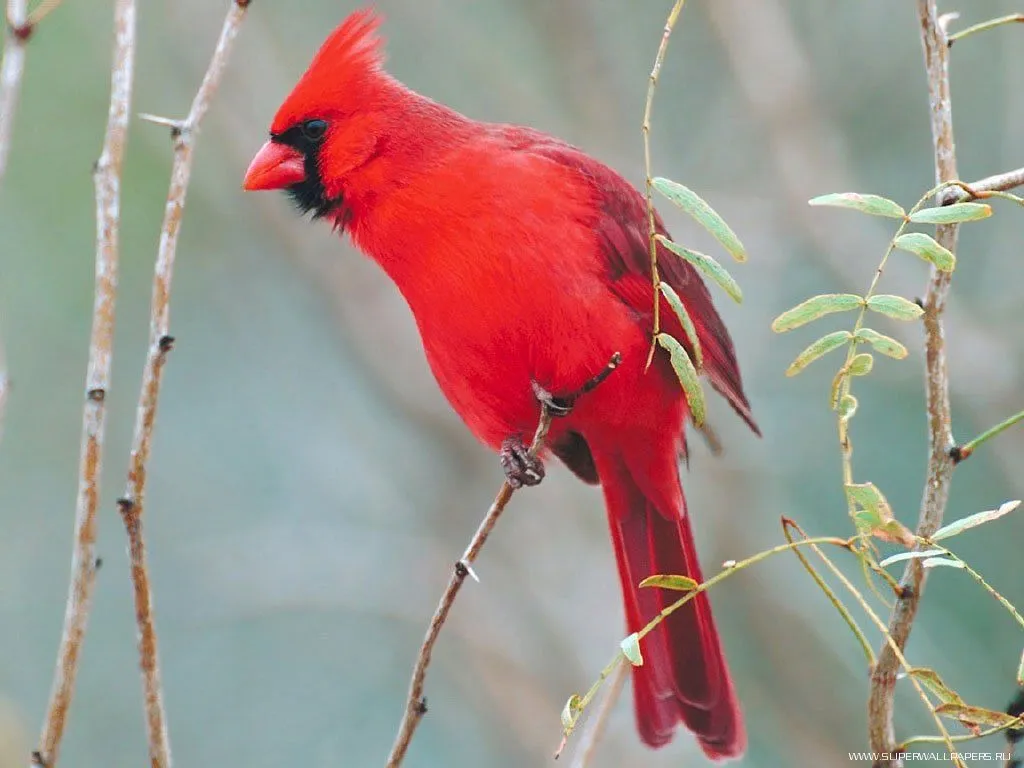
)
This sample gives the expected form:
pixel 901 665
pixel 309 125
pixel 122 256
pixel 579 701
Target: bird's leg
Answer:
pixel 521 467
pixel 560 406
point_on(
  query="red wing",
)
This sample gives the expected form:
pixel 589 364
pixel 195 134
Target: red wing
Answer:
pixel 622 227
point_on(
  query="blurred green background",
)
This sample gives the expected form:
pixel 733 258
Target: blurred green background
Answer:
pixel 310 489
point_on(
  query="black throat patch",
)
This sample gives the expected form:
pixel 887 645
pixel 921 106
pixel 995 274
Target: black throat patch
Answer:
pixel 308 195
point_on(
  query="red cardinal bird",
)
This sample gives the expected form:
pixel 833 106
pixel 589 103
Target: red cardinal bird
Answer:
pixel 525 264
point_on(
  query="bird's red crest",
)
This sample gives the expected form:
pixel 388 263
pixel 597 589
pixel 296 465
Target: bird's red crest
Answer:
pixel 349 59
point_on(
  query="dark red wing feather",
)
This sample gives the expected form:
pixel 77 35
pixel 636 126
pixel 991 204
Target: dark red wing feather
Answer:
pixel 622 227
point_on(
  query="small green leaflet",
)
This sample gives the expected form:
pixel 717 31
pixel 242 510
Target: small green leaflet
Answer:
pixel 958 213
pixel 703 214
pixel 847 407
pixel 815 307
pixel 975 716
pixel 882 343
pixel 684 318
pixel 871 204
pixel 861 364
pixel 924 246
pixel 875 516
pixel 867 496
pixel 631 650
pixel 895 307
pixel 678 583
pixel 931 680
pixel 686 374
pixel 570 712
pixel 708 266
pixel 931 562
pixel 819 348
pixel 972 521
pixel 899 558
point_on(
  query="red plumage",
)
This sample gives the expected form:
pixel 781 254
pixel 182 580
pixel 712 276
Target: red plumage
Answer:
pixel 523 259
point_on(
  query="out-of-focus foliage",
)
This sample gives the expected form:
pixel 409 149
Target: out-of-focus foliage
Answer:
pixel 310 489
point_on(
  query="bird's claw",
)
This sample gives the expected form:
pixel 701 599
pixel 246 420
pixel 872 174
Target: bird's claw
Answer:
pixel 558 407
pixel 521 468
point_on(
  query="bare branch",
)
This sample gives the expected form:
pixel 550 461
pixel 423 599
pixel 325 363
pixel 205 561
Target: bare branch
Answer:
pixel 156 718
pixel 940 436
pixel 596 725
pixel 416 704
pixel 107 178
pixel 11 70
pixel 977 190
pixel 183 134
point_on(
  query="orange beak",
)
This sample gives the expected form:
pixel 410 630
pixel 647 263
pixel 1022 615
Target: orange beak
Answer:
pixel 276 166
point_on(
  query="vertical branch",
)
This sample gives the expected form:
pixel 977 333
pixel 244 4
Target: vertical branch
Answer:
pixel 17 32
pixel 131 505
pixel 940 437
pixel 645 129
pixel 107 177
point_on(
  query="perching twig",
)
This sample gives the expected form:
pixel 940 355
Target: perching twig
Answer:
pixel 416 704
pixel 596 725
pixel 12 68
pixel 881 730
pixel 183 134
pixel 107 177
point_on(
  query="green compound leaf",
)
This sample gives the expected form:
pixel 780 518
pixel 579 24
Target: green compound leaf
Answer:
pixel 895 307
pixel 686 374
pixel 958 213
pixel 972 521
pixel 882 343
pixel 870 204
pixel 684 319
pixel 815 307
pixel 818 349
pixel 668 581
pixel 925 247
pixel 631 650
pixel 692 203
pixel 707 266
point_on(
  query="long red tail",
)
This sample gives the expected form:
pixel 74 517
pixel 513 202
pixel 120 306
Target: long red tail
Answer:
pixel 684 677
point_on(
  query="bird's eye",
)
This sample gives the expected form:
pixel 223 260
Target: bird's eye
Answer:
pixel 314 130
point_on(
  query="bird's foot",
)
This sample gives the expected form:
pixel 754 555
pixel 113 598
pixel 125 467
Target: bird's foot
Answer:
pixel 558 407
pixel 520 466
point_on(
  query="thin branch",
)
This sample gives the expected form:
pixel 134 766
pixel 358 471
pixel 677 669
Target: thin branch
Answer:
pixel 982 188
pixel 183 134
pixel 84 564
pixel 881 730
pixel 416 703
pixel 960 452
pixel 645 129
pixel 156 717
pixel 596 725
pixel 16 35
pixel 1013 18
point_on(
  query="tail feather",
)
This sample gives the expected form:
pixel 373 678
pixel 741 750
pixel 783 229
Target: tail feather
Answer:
pixel 684 677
